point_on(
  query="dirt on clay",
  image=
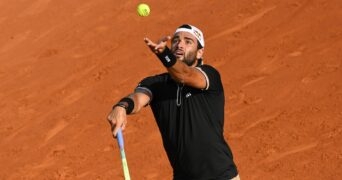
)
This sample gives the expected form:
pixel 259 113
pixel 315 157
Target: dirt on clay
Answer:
pixel 63 64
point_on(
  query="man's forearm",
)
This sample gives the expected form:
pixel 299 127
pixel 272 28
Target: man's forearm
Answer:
pixel 177 69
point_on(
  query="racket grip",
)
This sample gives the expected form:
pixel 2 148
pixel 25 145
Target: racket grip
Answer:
pixel 120 139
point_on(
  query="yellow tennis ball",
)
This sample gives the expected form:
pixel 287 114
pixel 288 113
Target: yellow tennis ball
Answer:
pixel 143 10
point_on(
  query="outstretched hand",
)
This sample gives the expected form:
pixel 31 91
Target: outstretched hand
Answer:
pixel 158 47
pixel 117 119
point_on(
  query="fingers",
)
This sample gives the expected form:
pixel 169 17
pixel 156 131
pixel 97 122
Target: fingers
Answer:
pixel 117 119
pixel 149 42
pixel 157 47
pixel 165 39
pixel 112 123
pixel 116 128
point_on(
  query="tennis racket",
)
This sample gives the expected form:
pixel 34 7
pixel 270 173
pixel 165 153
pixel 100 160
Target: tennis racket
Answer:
pixel 123 155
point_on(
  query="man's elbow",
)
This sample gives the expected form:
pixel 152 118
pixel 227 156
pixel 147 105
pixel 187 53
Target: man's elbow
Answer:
pixel 179 78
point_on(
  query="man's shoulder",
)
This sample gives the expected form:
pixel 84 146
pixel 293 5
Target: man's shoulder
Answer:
pixel 160 76
pixel 163 77
pixel 208 68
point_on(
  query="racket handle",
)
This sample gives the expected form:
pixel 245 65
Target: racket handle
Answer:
pixel 120 139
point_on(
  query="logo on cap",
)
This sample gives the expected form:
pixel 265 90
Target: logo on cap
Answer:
pixel 198 35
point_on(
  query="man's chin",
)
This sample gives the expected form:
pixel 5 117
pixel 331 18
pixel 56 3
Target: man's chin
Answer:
pixel 180 57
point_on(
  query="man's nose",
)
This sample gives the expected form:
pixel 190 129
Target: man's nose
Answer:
pixel 180 44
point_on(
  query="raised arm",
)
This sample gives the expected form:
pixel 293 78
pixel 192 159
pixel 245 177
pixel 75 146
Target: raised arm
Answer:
pixel 188 75
pixel 130 104
pixel 178 69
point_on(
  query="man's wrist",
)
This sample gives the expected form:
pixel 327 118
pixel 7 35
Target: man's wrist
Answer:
pixel 127 104
pixel 120 104
pixel 167 58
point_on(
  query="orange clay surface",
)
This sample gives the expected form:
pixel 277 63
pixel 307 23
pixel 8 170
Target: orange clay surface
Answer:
pixel 64 63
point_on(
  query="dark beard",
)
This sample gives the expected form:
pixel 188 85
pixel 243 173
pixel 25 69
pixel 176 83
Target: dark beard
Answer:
pixel 189 62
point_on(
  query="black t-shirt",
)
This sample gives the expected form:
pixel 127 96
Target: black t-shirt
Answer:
pixel 191 121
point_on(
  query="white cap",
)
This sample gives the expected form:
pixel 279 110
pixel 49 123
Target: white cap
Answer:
pixel 192 30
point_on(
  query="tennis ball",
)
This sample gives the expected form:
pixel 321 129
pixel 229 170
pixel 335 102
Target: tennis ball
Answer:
pixel 143 10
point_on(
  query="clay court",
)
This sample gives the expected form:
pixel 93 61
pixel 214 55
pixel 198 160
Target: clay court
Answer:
pixel 63 64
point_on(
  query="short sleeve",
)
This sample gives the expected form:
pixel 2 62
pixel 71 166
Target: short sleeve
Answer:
pixel 213 78
pixel 150 85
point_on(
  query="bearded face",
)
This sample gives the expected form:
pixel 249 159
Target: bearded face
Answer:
pixel 184 47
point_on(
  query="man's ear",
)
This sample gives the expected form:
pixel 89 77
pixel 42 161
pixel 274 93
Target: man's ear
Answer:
pixel 200 53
